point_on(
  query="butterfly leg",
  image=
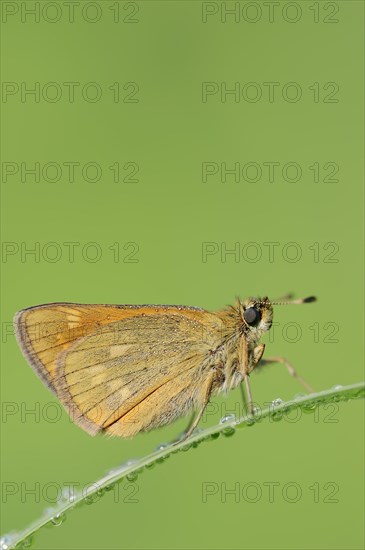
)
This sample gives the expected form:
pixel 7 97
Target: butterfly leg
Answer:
pixel 191 421
pixel 244 398
pixel 251 408
pixel 248 404
pixel 196 419
pixel 290 369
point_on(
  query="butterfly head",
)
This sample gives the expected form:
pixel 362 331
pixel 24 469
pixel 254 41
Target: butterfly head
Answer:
pixel 257 315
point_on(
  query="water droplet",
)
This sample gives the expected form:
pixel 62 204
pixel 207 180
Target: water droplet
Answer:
pixel 250 422
pixel 334 398
pixel 5 542
pixel 227 418
pixel 26 543
pixel 132 476
pixel 338 387
pixel 162 459
pixel 277 416
pixel 310 407
pixel 58 519
pixel 93 497
pixel 162 446
pixel 214 436
pixel 277 402
pixel 227 432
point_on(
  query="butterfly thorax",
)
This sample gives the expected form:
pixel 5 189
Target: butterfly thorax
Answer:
pixel 239 340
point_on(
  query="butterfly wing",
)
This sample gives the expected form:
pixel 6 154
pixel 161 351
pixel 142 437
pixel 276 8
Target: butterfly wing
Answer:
pixel 45 331
pixel 122 376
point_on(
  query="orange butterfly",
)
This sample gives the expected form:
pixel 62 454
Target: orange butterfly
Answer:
pixel 122 369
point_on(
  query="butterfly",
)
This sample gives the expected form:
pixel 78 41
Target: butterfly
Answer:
pixel 125 369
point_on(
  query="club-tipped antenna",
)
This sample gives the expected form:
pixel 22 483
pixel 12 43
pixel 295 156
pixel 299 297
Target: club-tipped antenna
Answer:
pixel 298 301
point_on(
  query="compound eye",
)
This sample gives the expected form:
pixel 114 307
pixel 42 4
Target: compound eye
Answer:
pixel 251 316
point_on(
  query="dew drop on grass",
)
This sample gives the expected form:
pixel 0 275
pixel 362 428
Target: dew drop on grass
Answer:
pixel 277 402
pixel 26 543
pixel 162 459
pixel 229 431
pixel 310 407
pixel 334 398
pixel 58 519
pixel 94 497
pixel 5 543
pixel 227 418
pixel 132 476
pixel 358 393
pixel 250 422
pixel 277 416
pixel 162 446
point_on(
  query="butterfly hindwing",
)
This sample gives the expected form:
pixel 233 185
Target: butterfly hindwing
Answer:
pixel 133 368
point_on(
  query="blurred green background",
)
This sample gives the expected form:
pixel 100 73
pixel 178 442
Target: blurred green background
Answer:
pixel 145 241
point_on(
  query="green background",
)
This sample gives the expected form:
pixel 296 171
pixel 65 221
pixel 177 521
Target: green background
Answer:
pixel 169 213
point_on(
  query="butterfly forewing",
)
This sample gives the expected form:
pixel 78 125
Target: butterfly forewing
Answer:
pixel 45 331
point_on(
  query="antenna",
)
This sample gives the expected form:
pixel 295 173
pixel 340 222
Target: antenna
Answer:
pixel 299 301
